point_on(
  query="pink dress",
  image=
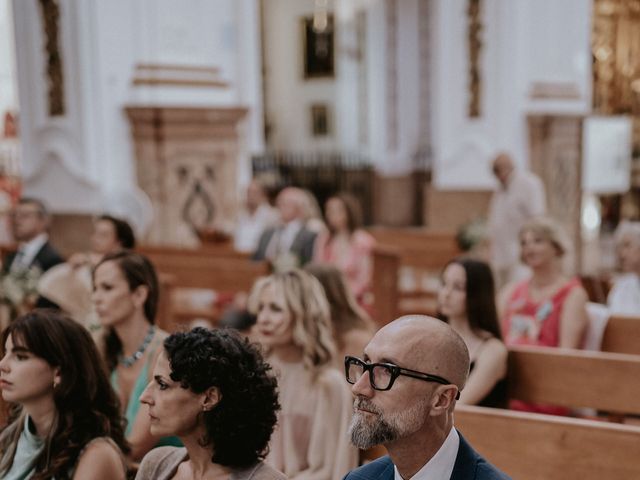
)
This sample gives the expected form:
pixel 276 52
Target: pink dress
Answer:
pixel 527 322
pixel 354 259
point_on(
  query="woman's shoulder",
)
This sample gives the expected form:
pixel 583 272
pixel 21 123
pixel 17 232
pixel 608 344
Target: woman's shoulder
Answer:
pixel 158 460
pixel 262 471
pixel 101 454
pixel 363 239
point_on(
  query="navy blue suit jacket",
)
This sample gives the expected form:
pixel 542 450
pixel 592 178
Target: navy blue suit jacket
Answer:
pixel 469 466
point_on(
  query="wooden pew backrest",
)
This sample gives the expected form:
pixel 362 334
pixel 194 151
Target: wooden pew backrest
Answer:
pixel 622 335
pixel 575 378
pixel 530 446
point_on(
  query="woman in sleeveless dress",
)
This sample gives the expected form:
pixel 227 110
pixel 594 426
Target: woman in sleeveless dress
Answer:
pixel 294 326
pixel 466 301
pixel 65 419
pixel 213 389
pixel 125 293
pixel 548 309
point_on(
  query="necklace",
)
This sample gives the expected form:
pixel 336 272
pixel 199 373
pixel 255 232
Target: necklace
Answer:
pixel 131 359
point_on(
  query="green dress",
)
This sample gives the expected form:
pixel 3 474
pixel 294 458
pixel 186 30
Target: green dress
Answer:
pixel 133 405
pixel 28 449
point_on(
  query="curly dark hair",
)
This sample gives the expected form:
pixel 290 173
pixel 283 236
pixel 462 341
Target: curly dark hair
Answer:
pixel 86 405
pixel 241 424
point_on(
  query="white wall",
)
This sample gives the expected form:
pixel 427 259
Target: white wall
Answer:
pixel 289 95
pixel 525 43
pixel 8 84
pixel 101 43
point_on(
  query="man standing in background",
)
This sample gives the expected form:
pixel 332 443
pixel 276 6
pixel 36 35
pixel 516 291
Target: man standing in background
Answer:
pixel 520 196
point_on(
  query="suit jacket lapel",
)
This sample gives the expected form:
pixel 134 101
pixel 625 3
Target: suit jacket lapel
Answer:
pixel 466 460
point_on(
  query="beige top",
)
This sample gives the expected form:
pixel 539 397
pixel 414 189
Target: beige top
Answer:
pixel 311 440
pixel 162 464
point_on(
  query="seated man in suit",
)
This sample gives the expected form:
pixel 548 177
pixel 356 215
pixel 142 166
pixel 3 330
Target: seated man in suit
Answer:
pixel 290 244
pixel 405 389
pixel 29 223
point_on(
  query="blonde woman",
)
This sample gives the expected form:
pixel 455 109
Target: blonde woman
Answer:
pixel 293 325
pixel 549 309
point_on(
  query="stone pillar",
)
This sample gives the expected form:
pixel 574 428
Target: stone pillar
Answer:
pixel 555 144
pixel 187 162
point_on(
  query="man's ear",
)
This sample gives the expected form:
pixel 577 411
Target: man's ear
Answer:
pixel 211 398
pixel 443 398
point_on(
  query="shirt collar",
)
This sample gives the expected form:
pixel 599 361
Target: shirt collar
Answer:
pixel 31 248
pixel 440 466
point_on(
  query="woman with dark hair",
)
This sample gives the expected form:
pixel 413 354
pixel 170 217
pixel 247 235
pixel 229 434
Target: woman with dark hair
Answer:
pixel 346 245
pixel 352 327
pixel 65 422
pixel 68 285
pixel 466 301
pixel 125 293
pixel 213 390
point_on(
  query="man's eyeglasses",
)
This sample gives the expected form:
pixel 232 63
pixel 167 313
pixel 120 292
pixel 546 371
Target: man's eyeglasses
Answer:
pixel 383 375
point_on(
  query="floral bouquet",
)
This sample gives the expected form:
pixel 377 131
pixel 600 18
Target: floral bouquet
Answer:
pixel 18 292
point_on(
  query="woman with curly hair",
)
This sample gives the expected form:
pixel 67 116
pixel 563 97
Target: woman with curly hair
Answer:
pixel 65 421
pixel 294 325
pixel 125 294
pixel 213 390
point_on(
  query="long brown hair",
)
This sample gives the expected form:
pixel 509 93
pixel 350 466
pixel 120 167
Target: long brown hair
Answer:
pixel 137 270
pixel 352 208
pixel 346 314
pixel 86 406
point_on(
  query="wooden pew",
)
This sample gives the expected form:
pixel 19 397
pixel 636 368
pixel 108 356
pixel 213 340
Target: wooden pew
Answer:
pixel 422 253
pixel 386 262
pixel 575 378
pixel 208 268
pixel 530 446
pixel 622 335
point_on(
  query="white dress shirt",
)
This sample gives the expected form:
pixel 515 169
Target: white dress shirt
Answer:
pixel 27 252
pixel 250 227
pixel 624 297
pixel 510 208
pixel 440 467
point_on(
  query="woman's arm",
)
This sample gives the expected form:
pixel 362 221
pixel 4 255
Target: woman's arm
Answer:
pixel 489 369
pixel 573 319
pixel 100 460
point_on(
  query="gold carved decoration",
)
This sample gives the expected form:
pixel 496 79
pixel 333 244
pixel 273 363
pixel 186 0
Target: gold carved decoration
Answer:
pixel 51 17
pixel 474 11
pixel 616 53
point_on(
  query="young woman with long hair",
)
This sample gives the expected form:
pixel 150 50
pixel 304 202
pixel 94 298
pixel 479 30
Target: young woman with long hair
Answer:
pixel 294 326
pixel 466 301
pixel 65 421
pixel 352 326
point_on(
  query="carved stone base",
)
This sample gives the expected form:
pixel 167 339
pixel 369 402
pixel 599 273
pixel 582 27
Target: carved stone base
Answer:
pixel 186 161
pixel 555 144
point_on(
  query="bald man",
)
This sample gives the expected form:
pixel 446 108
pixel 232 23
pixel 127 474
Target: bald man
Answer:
pixel 520 195
pixel 291 243
pixel 405 388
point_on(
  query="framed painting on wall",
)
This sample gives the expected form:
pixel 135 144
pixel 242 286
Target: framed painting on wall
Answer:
pixel 318 46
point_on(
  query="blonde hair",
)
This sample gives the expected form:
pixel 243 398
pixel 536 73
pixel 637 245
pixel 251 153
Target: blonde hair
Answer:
pixel 550 230
pixel 310 313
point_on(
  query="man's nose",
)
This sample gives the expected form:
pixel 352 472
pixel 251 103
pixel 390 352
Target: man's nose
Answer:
pixel 363 387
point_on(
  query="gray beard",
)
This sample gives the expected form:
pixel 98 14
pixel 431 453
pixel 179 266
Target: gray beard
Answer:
pixel 367 431
pixel 365 434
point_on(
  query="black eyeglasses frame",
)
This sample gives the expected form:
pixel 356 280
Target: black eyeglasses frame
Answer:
pixel 395 371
